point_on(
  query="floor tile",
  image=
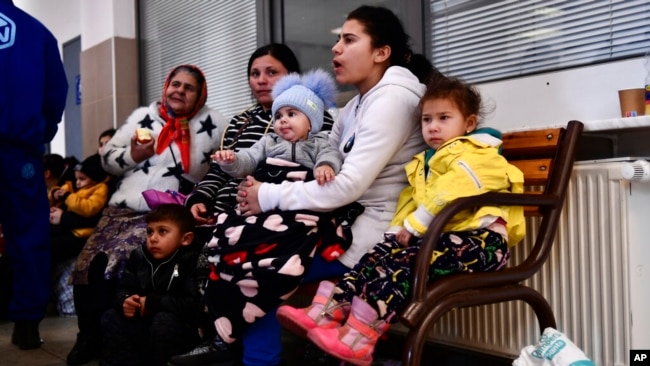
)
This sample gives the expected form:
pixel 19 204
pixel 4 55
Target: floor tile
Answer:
pixel 59 335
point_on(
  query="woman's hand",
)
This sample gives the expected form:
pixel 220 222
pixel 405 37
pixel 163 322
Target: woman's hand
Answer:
pixel 141 152
pixel 55 215
pixel 201 214
pixel 247 196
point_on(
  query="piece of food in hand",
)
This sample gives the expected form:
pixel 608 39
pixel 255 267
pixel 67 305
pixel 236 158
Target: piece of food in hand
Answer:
pixel 143 135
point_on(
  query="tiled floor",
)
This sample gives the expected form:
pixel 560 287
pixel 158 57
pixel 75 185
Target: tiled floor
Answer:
pixel 60 334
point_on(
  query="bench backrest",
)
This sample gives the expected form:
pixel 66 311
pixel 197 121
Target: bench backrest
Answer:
pixel 533 153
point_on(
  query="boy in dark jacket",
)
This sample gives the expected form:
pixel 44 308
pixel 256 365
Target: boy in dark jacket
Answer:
pixel 156 310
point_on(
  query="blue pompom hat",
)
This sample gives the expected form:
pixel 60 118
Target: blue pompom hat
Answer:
pixel 311 94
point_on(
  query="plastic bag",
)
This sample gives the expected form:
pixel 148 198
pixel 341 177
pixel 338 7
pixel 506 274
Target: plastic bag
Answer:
pixel 155 198
pixel 553 349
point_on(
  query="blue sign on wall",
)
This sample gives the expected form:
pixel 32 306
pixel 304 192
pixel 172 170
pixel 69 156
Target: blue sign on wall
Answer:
pixel 77 89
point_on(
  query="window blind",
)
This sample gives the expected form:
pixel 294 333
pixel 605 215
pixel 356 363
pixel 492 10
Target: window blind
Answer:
pixel 490 40
pixel 217 36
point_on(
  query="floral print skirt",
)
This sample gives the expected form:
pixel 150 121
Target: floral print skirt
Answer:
pixel 119 231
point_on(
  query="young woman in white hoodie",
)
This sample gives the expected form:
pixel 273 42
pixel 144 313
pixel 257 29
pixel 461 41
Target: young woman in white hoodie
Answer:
pixel 377 132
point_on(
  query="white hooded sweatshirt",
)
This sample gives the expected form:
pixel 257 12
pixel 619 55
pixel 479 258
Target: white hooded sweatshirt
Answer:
pixel 384 126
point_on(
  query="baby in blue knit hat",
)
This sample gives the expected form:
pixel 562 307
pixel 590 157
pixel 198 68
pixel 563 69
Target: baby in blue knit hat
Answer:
pixel 297 149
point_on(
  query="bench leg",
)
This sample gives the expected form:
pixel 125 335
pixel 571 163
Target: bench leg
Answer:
pixel 412 353
pixel 540 306
pixel 416 337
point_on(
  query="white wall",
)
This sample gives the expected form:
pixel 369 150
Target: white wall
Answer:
pixel 105 19
pixel 586 94
pixel 62 18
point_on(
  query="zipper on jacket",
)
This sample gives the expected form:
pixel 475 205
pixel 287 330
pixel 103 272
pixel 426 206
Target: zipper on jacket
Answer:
pixel 154 270
pixel 174 275
pixel 293 151
pixel 471 174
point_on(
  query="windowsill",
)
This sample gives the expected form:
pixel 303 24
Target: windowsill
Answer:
pixel 602 125
pixel 617 123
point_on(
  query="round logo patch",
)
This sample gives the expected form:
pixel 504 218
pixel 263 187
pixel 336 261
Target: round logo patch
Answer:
pixel 7 31
pixel 27 172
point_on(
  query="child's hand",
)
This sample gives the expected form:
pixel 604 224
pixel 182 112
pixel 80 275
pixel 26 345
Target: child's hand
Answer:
pixel 223 156
pixel 59 193
pixel 403 237
pixel 324 174
pixel 131 305
pixel 143 300
pixel 55 215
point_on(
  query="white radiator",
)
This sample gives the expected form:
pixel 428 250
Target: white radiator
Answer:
pixel 596 278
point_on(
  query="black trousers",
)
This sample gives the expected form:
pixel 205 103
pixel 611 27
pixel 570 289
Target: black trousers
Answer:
pixel 64 244
pixel 93 299
pixel 144 341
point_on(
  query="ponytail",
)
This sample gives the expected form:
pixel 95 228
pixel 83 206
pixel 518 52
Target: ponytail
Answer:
pixel 421 67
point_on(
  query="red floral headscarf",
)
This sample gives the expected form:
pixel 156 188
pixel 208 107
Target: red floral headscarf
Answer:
pixel 177 128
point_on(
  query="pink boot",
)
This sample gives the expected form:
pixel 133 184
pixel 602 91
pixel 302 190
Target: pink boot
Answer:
pixel 354 342
pixel 323 312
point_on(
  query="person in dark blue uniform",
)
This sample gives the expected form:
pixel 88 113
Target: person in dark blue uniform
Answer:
pixel 32 99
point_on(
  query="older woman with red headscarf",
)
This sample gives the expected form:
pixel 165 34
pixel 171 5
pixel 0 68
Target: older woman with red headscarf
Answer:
pixel 182 132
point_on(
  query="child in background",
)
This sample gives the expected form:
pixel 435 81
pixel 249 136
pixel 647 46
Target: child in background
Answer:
pixel 298 107
pixel 59 172
pixel 158 299
pixel 53 166
pixel 77 211
pixel 69 245
pixel 66 183
pixel 67 175
pixel 104 137
pixel 346 319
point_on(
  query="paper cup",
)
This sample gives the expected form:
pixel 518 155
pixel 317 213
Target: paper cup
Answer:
pixel 632 102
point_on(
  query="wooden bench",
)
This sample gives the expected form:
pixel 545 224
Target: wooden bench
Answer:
pixel 546 158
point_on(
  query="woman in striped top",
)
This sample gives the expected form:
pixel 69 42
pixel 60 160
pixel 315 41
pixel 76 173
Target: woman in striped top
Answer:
pixel 217 191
